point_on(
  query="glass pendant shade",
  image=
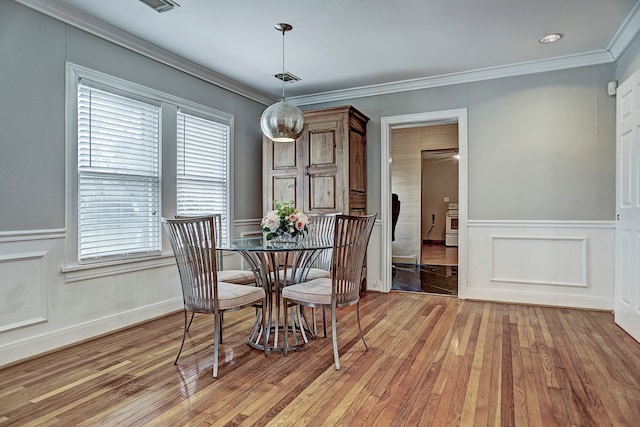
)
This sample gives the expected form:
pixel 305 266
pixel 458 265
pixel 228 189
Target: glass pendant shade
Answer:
pixel 282 122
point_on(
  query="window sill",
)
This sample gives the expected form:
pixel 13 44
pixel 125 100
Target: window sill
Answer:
pixel 78 273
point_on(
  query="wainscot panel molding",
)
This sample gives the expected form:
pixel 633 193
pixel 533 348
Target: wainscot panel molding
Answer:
pixel 556 261
pixel 560 263
pixel 23 290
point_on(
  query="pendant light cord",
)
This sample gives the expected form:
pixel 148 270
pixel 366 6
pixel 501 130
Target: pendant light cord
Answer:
pixel 282 76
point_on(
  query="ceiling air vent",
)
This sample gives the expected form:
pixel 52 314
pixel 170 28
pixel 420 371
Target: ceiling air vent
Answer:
pixel 287 77
pixel 160 5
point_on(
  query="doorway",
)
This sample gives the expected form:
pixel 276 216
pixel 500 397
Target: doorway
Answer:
pixel 424 174
pixel 388 124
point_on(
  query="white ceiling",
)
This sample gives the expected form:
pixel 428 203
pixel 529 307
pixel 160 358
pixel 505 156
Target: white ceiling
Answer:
pixel 344 44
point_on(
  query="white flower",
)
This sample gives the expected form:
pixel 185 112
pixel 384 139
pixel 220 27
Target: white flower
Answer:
pixel 271 221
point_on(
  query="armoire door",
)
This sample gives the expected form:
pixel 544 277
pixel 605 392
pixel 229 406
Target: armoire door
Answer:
pixel 281 167
pixel 323 149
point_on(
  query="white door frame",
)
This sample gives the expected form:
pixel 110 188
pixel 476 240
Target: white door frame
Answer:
pixel 423 119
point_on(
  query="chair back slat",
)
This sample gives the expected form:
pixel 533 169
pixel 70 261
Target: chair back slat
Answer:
pixel 322 226
pixel 217 220
pixel 351 238
pixel 193 243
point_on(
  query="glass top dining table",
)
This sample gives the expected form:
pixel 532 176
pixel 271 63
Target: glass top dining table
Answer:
pixel 276 265
pixel 260 244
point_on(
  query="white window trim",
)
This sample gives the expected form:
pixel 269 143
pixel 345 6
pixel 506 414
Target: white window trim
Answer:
pixel 73 73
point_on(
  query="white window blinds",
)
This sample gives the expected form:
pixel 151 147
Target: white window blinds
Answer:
pixel 118 175
pixel 202 175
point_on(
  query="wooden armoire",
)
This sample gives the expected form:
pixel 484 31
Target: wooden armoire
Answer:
pixel 325 169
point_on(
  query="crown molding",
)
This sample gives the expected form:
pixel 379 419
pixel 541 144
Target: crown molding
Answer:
pixel 532 67
pixel 88 23
pixel 626 33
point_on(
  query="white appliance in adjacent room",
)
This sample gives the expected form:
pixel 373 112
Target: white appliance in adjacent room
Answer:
pixel 451 232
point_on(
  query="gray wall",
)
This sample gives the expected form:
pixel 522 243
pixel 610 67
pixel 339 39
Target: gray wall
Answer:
pixel 540 146
pixel 33 51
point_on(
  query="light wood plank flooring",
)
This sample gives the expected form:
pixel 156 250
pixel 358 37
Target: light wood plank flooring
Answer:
pixel 439 254
pixel 433 361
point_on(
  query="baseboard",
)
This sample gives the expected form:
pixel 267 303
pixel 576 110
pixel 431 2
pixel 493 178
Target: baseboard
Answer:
pixel 539 298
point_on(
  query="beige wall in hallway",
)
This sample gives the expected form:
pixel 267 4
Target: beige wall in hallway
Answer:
pixel 439 181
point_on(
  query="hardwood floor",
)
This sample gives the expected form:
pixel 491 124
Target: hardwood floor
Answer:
pixel 439 254
pixel 432 361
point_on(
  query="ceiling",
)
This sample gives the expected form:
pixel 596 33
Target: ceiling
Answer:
pixel 339 45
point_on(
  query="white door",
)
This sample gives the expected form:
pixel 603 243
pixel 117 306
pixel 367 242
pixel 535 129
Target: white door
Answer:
pixel 627 280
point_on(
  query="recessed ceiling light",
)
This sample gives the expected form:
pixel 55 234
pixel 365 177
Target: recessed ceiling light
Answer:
pixel 550 38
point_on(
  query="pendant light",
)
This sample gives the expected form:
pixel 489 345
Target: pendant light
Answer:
pixel 282 122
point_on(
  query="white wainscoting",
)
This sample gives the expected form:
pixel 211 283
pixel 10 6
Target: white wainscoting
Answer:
pixel 561 263
pixel 43 308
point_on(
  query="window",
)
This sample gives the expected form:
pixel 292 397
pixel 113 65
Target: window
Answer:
pixel 202 158
pixel 118 157
pixel 125 171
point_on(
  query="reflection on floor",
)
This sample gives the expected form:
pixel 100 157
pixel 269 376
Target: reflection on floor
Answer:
pixel 437 274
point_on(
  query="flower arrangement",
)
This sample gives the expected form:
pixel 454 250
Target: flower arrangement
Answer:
pixel 284 220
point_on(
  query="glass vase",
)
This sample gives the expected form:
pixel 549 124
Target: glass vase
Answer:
pixel 284 239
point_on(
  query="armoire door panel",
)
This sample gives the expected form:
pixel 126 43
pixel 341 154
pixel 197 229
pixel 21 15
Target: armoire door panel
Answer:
pixel 322 149
pixel 284 190
pixel 322 194
pixel 284 155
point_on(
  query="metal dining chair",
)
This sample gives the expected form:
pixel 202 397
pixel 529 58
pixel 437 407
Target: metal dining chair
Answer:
pixel 193 243
pixel 351 238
